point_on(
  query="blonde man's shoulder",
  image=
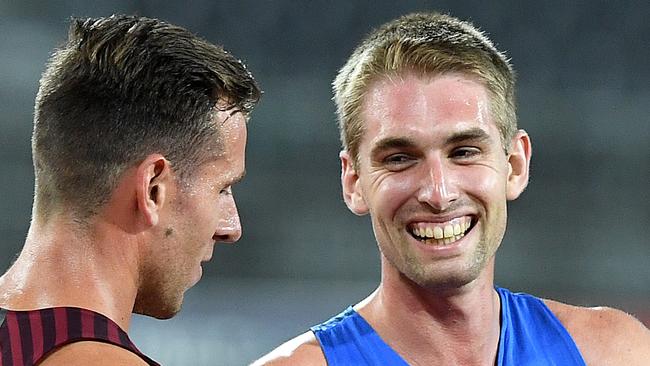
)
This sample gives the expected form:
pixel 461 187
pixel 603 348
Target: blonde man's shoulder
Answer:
pixel 304 350
pixel 605 336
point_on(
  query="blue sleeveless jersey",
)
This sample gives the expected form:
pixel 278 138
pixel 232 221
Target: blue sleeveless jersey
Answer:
pixel 530 335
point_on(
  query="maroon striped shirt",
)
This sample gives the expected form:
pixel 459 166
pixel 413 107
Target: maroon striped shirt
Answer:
pixel 26 337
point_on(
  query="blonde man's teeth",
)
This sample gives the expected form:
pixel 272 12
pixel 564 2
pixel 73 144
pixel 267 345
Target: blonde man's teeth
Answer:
pixel 457 229
pixel 437 233
pixel 444 234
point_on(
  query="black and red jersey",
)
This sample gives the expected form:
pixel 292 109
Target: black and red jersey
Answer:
pixel 27 337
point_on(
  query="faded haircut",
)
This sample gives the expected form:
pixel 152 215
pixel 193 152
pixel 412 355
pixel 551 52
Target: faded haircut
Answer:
pixel 121 88
pixel 428 44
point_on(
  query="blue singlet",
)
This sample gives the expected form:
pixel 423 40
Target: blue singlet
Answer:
pixel 530 335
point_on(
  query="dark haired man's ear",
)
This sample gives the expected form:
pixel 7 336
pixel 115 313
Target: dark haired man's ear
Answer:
pixel 153 180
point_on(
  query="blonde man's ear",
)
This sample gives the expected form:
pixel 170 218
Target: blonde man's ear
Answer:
pixel 518 164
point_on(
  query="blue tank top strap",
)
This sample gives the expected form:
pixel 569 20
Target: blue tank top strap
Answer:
pixel 347 339
pixel 532 335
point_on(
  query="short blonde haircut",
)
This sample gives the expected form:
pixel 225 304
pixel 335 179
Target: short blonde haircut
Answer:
pixel 429 45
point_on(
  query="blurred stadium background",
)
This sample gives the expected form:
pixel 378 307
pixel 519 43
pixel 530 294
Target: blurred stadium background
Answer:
pixel 580 233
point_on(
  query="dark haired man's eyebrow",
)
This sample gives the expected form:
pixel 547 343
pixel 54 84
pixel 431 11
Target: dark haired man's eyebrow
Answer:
pixel 231 112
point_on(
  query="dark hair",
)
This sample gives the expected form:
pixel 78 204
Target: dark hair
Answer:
pixel 121 88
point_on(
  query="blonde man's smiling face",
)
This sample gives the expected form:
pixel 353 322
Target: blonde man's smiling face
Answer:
pixel 433 174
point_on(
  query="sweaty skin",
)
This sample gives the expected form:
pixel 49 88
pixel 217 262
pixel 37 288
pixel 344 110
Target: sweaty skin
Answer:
pixel 429 157
pixel 143 250
pixel 432 157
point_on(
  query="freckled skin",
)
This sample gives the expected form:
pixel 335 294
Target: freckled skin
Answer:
pixel 435 182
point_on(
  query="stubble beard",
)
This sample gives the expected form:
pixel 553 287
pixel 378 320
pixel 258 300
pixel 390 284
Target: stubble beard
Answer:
pixel 159 308
pixel 431 276
pixel 161 298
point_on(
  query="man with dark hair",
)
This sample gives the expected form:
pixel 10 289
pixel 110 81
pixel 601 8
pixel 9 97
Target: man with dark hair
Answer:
pixel 139 135
pixel 431 150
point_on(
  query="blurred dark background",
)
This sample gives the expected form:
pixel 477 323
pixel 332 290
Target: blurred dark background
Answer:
pixel 580 233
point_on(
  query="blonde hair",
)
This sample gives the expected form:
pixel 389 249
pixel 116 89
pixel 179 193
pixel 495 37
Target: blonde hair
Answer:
pixel 427 44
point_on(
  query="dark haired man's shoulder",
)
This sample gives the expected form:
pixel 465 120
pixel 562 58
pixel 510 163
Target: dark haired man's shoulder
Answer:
pixel 92 353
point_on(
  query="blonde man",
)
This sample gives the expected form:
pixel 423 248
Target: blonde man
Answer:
pixel 433 153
